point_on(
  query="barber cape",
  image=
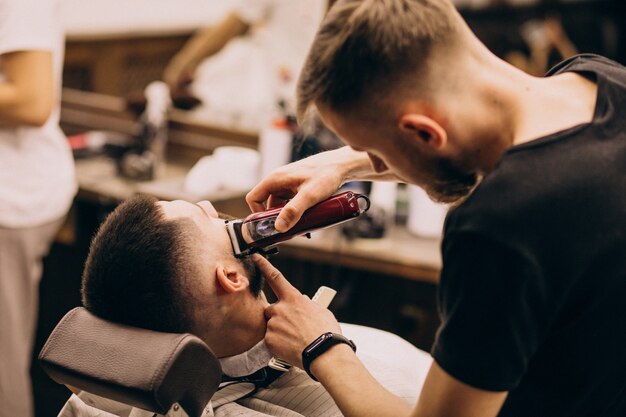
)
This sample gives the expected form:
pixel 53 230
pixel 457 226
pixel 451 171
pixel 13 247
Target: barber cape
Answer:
pixel 396 364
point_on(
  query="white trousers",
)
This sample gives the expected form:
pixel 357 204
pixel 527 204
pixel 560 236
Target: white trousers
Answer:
pixel 21 255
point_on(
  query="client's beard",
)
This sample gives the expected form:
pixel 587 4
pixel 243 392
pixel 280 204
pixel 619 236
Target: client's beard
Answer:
pixel 257 281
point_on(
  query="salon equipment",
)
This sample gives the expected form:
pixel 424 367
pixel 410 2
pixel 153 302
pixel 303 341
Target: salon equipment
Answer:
pixel 275 145
pixel 256 233
pixel 145 162
pixel 142 368
pixel 100 142
pixel 426 218
pixel 371 225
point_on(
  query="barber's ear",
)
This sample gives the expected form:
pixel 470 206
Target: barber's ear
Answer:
pixel 424 129
pixel 230 280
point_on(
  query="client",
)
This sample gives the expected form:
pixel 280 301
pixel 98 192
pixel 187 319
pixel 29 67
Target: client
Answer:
pixel 169 266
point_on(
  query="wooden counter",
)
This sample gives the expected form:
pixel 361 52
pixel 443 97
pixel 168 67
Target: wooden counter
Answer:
pixel 398 254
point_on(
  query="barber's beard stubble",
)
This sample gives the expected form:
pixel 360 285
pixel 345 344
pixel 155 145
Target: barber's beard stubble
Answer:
pixel 450 182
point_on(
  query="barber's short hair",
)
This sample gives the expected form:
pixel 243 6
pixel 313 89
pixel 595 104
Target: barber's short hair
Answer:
pixel 138 268
pixel 364 47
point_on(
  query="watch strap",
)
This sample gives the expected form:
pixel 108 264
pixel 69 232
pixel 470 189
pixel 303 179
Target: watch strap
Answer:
pixel 321 345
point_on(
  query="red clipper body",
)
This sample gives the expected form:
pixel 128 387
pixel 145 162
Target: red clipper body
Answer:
pixel 256 233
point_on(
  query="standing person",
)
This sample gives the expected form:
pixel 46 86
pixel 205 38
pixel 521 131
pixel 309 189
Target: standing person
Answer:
pixel 36 181
pixel 534 254
pixel 246 63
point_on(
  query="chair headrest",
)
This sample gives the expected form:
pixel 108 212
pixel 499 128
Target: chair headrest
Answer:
pixel 142 368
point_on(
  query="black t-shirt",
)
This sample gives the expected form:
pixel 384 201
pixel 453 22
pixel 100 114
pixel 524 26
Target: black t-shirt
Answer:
pixel 533 289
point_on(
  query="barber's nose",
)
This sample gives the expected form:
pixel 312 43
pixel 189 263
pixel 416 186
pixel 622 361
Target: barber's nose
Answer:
pixel 377 163
pixel 208 208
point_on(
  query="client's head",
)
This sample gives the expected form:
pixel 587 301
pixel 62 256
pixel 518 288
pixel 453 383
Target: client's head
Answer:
pixel 169 266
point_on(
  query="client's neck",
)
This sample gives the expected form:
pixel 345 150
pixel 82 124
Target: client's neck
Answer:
pixel 243 327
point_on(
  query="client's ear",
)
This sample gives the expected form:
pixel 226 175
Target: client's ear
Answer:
pixel 230 280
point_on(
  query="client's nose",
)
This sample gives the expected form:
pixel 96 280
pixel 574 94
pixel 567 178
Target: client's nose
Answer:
pixel 208 208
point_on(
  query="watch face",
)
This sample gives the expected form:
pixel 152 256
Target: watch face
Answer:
pixel 320 340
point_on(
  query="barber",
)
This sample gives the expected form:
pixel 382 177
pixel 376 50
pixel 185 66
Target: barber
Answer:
pixel 534 252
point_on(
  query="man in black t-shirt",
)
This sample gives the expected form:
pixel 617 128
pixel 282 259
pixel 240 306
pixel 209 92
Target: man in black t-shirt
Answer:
pixel 534 253
pixel 541 247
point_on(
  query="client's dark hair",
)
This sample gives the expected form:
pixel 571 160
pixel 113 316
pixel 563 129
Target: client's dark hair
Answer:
pixel 137 269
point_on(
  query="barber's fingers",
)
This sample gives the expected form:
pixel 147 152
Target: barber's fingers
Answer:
pixel 273 187
pixel 308 195
pixel 275 279
pixel 289 215
pixel 299 194
pixel 256 199
pixel 276 201
pixel 271 311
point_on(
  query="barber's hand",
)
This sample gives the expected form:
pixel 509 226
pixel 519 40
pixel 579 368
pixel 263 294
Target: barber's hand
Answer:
pixel 301 184
pixel 294 321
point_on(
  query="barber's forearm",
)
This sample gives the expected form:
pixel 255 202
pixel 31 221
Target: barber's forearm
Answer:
pixel 357 166
pixel 355 391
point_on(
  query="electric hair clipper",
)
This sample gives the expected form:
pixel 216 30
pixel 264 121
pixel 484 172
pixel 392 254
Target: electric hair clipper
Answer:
pixel 256 233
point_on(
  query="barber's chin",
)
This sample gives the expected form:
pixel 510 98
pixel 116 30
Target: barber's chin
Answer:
pixel 451 191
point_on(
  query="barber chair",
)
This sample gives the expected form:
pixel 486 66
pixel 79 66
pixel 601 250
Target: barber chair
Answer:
pixel 149 370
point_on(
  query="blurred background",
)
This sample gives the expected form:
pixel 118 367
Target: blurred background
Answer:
pixel 231 72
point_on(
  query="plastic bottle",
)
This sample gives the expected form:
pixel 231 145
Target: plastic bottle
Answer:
pixel 154 124
pixel 426 217
pixel 275 145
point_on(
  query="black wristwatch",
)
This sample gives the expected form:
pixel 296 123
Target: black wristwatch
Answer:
pixel 321 345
